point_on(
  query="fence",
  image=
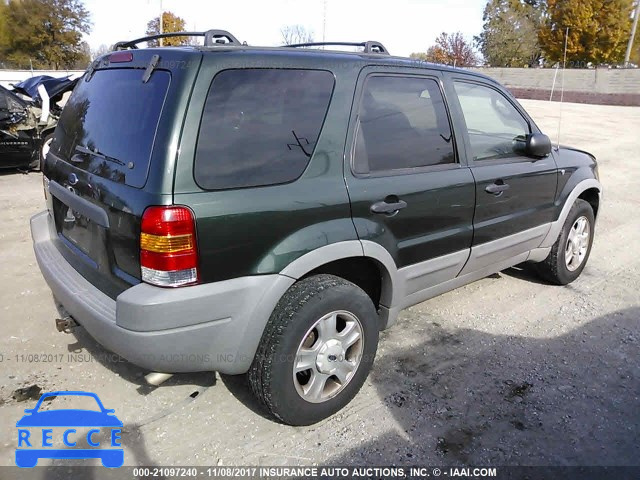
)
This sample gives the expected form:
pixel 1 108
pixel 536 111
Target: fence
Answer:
pixel 597 85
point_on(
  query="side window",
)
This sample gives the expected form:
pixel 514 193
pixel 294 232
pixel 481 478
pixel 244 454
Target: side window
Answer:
pixel 260 126
pixel 403 123
pixel 496 129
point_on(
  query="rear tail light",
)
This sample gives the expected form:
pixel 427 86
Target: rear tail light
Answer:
pixel 168 247
pixel 121 57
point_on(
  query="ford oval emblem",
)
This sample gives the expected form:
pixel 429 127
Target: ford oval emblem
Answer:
pixel 73 179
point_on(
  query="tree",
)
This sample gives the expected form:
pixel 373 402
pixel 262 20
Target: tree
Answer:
pixel 635 51
pixel 101 50
pixel 422 56
pixel 449 49
pixel 170 23
pixel 4 37
pixel 84 57
pixel 293 34
pixel 598 30
pixel 45 33
pixel 509 35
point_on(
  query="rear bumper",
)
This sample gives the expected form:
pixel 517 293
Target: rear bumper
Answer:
pixel 216 326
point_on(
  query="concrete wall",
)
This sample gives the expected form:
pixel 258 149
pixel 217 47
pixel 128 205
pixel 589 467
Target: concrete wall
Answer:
pixel 14 76
pixel 603 86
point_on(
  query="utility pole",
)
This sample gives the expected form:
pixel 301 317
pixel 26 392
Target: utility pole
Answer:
pixel 161 23
pixel 633 34
pixel 324 21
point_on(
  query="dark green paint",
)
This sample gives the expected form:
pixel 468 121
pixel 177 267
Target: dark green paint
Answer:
pixel 262 230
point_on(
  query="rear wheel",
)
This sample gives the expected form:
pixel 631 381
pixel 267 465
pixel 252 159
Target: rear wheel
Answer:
pixel 316 351
pixel 570 253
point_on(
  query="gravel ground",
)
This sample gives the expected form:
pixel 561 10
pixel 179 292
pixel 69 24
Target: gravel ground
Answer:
pixel 506 371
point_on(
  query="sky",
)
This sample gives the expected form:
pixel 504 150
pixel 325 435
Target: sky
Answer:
pixel 403 26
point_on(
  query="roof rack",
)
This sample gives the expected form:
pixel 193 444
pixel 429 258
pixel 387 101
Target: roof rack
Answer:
pixel 369 46
pixel 211 38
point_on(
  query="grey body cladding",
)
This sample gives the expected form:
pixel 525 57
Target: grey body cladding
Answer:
pixel 408 286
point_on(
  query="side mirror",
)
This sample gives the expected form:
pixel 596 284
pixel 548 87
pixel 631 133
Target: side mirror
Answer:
pixel 538 145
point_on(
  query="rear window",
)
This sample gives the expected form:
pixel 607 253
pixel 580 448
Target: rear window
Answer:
pixel 260 126
pixel 109 124
pixel 403 124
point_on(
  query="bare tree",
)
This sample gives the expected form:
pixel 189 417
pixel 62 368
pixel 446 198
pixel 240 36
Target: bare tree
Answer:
pixel 293 34
pixel 101 50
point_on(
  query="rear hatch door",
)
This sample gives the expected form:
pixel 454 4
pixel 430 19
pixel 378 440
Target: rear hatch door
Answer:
pixel 112 156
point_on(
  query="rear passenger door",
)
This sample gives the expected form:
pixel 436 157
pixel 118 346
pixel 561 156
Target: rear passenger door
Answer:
pixel 409 192
pixel 514 192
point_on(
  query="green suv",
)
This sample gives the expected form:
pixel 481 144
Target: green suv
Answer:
pixel 267 211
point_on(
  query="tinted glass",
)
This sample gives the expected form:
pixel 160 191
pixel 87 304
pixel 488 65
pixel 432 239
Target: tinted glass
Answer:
pixel 260 127
pixel 496 129
pixel 115 116
pixel 403 123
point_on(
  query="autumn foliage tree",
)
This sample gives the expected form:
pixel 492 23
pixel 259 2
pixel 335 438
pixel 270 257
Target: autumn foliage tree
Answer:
pixel 598 30
pixel 449 49
pixel 3 32
pixel 509 36
pixel 44 33
pixel 171 23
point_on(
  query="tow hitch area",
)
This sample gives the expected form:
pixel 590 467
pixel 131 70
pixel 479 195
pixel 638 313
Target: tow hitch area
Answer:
pixel 66 324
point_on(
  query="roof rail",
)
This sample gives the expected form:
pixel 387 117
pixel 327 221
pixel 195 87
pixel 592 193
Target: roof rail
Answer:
pixel 369 46
pixel 211 38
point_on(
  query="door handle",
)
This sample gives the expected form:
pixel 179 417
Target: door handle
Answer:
pixel 497 188
pixel 390 207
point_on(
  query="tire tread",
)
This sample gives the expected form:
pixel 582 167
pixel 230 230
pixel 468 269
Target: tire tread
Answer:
pixel 292 301
pixel 550 269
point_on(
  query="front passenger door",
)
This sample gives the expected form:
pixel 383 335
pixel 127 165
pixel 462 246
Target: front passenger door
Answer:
pixel 514 192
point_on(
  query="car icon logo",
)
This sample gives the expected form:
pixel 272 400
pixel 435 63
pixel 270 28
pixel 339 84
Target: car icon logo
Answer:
pixel 34 444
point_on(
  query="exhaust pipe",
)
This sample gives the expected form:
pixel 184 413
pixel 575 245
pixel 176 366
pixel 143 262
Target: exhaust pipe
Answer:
pixel 66 324
pixel 156 378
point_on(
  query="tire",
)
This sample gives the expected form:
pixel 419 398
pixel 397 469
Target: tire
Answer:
pixel 298 334
pixel 555 268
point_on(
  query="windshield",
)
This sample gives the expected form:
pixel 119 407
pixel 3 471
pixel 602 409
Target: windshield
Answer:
pixel 109 124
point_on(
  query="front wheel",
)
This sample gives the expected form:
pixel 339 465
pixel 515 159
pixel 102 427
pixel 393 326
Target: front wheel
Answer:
pixel 570 253
pixel 316 351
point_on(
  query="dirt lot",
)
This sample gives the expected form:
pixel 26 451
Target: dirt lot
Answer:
pixel 506 371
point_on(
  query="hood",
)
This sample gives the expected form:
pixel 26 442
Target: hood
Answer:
pixel 55 87
pixel 573 149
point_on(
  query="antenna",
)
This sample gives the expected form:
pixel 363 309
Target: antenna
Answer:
pixel 564 66
pixel 324 20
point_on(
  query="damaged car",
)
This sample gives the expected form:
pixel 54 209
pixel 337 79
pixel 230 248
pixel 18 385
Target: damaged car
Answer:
pixel 29 113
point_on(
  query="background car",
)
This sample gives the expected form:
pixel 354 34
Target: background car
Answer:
pixel 27 120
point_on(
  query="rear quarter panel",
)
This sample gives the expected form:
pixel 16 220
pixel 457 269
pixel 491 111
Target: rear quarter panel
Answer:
pixel 261 230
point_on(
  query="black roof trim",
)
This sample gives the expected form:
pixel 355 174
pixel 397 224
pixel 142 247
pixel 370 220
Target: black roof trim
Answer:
pixel 211 39
pixel 370 46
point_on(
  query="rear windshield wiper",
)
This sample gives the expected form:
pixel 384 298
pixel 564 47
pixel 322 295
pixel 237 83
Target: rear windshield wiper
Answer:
pixel 97 153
